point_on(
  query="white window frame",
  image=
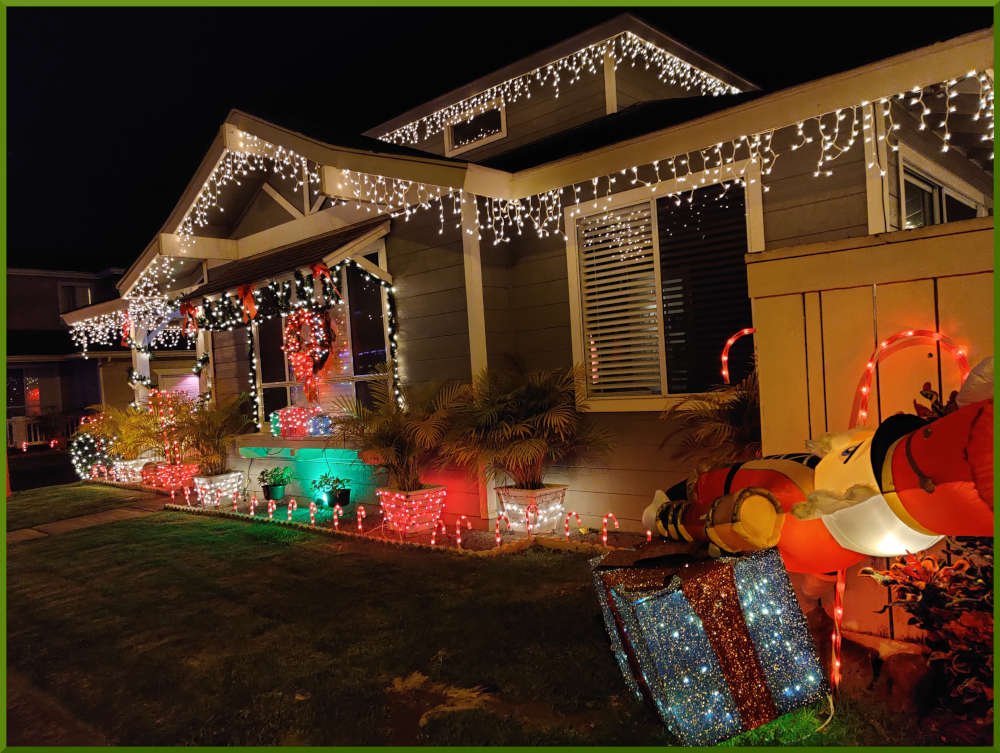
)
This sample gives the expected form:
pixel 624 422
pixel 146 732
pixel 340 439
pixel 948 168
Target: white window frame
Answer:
pixel 340 255
pixel 749 171
pixel 450 150
pixel 908 159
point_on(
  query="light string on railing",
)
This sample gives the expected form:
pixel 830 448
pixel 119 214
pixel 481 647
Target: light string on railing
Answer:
pixel 625 47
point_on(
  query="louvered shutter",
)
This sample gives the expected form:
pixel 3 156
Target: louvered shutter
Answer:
pixel 620 301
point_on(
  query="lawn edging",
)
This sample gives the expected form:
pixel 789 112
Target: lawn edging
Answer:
pixel 515 547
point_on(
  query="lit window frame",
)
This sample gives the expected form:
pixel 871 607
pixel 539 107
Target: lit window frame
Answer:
pixel 450 150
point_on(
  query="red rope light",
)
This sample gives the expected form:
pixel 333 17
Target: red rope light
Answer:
pixel 893 343
pixel 725 351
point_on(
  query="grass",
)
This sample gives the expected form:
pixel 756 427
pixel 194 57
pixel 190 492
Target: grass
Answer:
pixel 47 504
pixel 177 629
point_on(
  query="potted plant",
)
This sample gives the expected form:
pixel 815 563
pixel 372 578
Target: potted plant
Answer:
pixel 399 432
pixel 717 427
pixel 206 432
pixel 514 425
pixel 273 481
pixel 329 489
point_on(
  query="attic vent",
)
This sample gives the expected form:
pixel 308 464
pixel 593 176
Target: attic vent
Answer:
pixel 483 128
pixel 620 301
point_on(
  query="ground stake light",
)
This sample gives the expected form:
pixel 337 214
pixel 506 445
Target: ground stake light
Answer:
pixel 292 507
pixel 578 522
pixel 361 519
pixel 604 529
pixel 312 514
pixel 504 518
pixel 458 529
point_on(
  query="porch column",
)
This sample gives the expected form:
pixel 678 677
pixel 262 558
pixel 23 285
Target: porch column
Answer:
pixel 140 363
pixel 203 346
pixel 476 311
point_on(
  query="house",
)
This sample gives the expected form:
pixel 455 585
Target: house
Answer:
pixel 617 201
pixel 49 381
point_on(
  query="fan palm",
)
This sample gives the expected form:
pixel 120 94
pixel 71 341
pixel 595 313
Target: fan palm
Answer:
pixel 717 427
pixel 515 424
pixel 206 431
pixel 400 439
pixel 129 432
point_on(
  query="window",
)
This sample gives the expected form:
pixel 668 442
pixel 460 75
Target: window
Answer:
pixel 657 285
pixel 15 392
pixel 359 348
pixel 73 297
pixel 932 195
pixel 481 129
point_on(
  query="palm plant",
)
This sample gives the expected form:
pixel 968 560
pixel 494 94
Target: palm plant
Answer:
pixel 515 424
pixel 717 427
pixel 207 430
pixel 403 441
pixel 130 432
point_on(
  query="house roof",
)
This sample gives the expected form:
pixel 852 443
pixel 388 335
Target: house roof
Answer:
pixel 282 260
pixel 636 120
pixel 623 23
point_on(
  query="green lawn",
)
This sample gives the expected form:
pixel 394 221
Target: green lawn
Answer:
pixel 179 629
pixel 48 503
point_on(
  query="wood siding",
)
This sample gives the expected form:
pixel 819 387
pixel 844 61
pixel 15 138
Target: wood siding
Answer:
pixel 428 274
pixel 232 364
pixel 635 84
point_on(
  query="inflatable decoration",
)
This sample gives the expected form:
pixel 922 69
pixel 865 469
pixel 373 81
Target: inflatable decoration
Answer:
pixel 867 492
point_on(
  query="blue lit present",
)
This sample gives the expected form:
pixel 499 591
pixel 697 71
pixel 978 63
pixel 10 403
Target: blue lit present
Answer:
pixel 718 646
pixel 320 426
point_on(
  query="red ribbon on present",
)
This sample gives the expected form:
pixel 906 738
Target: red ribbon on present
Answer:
pixel 190 315
pixel 245 294
pixel 712 594
pixel 320 270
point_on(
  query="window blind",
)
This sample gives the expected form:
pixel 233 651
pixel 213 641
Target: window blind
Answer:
pixel 620 301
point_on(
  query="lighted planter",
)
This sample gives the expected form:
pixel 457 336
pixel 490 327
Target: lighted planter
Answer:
pixel 546 514
pixel 215 490
pixel 412 512
pixel 169 475
pixel 130 471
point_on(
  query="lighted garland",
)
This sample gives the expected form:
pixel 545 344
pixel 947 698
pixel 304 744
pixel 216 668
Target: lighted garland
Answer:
pixel 625 47
pixel 200 363
pixel 135 379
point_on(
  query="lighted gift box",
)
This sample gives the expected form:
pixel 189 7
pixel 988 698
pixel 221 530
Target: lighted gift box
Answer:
pixel 291 422
pixel 320 426
pixel 719 646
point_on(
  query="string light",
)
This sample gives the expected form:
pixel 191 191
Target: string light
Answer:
pixel 578 522
pixel 725 350
pixel 224 485
pixel 898 341
pixel 604 527
pixel 419 510
pixel 624 47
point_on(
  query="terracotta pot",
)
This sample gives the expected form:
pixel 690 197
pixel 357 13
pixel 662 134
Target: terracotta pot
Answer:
pixel 515 503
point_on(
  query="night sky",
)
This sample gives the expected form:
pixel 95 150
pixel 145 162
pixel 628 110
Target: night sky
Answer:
pixel 111 110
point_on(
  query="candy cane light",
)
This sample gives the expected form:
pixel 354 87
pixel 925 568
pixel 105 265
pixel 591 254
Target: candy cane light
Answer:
pixel 725 350
pixel 893 344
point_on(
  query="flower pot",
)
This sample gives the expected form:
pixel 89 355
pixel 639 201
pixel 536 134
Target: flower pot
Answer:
pixel 213 490
pixel 274 491
pixel 548 501
pixel 412 512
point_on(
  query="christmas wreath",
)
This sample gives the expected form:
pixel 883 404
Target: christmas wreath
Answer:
pixel 307 358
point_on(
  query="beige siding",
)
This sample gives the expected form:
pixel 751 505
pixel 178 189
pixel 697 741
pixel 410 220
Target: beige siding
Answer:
pixel 232 364
pixel 800 208
pixel 429 277
pixel 635 84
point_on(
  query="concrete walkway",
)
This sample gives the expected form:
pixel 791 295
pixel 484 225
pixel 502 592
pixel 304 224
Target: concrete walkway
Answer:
pixel 136 509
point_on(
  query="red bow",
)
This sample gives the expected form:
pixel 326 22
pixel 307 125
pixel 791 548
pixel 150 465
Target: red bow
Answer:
pixel 126 327
pixel 320 270
pixel 190 315
pixel 245 294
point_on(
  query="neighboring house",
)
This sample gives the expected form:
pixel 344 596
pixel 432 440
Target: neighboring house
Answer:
pixel 49 382
pixel 610 226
